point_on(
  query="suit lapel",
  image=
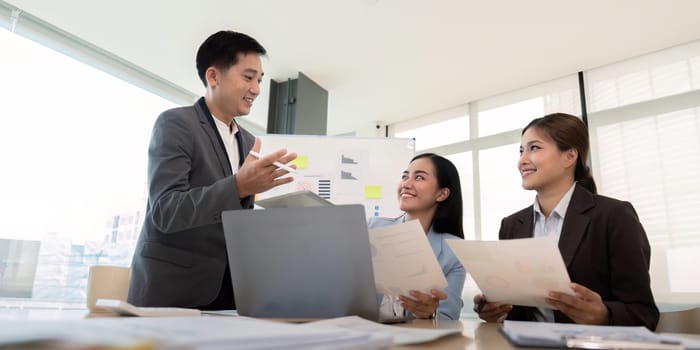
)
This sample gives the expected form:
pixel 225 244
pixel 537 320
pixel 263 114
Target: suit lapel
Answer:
pixel 243 145
pixel 206 121
pixel 575 223
pixel 524 227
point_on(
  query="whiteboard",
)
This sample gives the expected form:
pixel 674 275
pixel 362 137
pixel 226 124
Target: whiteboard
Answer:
pixel 346 170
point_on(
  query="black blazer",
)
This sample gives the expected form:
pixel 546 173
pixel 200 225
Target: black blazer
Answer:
pixel 605 249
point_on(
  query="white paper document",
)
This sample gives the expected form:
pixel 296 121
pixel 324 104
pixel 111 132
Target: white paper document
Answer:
pixel 401 335
pixel 201 333
pixel 515 271
pixel 403 260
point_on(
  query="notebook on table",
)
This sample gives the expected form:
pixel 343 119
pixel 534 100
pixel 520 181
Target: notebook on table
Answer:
pixel 564 335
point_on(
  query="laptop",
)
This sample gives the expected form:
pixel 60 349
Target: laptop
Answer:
pixel 301 263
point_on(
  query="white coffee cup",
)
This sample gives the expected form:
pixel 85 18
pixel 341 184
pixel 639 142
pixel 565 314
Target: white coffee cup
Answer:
pixel 107 282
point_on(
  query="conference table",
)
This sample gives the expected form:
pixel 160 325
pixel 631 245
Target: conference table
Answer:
pixel 474 334
pixel 478 335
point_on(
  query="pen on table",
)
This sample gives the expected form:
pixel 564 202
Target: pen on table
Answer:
pixel 275 163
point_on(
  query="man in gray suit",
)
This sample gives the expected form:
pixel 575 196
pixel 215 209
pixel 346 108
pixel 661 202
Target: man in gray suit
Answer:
pixel 198 166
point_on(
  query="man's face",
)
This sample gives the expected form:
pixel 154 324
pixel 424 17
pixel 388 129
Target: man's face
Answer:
pixel 234 89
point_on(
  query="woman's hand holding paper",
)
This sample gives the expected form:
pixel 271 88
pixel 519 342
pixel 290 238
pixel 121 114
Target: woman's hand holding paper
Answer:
pixel 490 311
pixel 423 305
pixel 585 308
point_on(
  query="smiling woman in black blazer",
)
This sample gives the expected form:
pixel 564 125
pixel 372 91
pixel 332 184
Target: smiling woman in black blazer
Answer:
pixel 602 242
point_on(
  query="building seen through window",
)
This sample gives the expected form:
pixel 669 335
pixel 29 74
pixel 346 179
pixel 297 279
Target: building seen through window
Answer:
pixel 74 143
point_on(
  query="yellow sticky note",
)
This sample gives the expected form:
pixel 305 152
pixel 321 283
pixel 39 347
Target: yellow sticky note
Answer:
pixel 373 192
pixel 301 162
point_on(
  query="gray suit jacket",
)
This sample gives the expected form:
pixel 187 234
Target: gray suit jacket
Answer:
pixel 605 249
pixel 180 257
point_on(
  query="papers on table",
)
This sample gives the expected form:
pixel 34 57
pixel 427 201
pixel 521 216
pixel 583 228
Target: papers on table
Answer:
pixel 542 334
pixel 125 309
pixel 206 333
pixel 403 260
pixel 515 271
pixel 401 335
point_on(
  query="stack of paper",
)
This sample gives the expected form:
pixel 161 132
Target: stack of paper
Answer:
pixel 205 333
pixel 542 334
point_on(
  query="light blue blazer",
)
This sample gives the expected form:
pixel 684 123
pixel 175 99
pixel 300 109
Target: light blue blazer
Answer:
pixel 455 274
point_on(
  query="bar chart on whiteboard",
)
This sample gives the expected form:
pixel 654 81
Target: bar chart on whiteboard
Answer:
pixel 345 170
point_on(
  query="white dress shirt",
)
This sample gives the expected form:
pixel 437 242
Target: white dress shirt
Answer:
pixel 550 227
pixel 228 135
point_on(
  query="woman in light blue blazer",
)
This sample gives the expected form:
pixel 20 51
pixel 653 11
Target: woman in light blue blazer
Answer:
pixel 430 192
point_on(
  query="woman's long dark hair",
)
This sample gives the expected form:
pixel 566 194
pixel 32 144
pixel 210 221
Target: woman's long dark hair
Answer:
pixel 568 132
pixel 448 215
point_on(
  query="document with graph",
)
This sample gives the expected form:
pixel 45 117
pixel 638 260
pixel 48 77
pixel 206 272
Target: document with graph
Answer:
pixel 515 271
pixel 403 260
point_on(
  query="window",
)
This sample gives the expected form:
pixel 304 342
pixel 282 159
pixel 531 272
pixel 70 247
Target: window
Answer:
pixel 509 117
pixel 654 162
pixel 664 73
pixel 645 149
pixel 463 162
pixel 512 111
pixel 74 140
pixel 438 134
pixel 501 190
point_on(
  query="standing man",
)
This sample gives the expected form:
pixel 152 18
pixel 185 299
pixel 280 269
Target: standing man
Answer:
pixel 198 166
